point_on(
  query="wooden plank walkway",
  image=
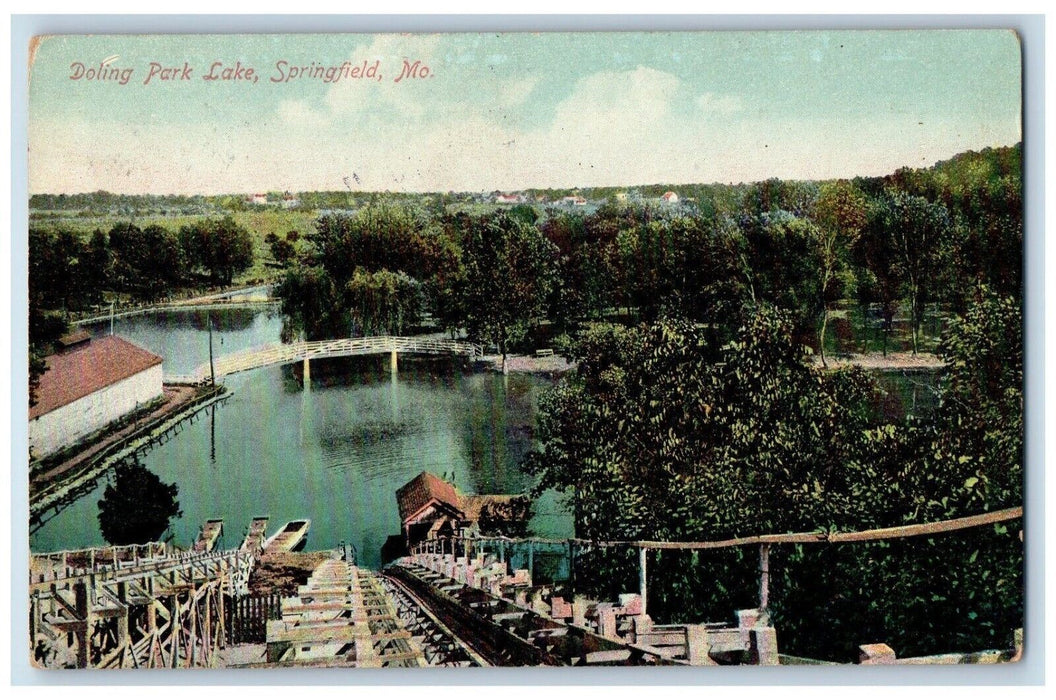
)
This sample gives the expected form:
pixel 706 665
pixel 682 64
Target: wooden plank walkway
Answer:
pixel 343 616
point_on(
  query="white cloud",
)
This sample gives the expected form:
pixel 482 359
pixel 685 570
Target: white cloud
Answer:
pixel 298 113
pixel 711 103
pixel 516 92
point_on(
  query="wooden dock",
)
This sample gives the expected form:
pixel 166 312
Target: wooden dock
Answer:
pixel 255 536
pixel 208 535
pixel 289 537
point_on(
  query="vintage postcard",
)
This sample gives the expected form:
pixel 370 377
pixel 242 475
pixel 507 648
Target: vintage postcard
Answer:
pixel 525 349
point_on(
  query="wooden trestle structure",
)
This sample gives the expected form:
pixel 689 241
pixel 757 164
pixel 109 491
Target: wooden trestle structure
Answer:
pixel 341 617
pixel 142 606
pixel 452 602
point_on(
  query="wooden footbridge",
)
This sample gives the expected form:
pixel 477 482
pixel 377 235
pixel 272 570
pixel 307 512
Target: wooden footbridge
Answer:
pixel 305 351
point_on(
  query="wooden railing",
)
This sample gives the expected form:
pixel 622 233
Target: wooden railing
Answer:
pixel 342 347
pixel 469 546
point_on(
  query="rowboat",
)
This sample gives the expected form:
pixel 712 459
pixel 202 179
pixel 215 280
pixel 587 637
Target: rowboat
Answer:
pixel 254 541
pixel 289 537
pixel 208 535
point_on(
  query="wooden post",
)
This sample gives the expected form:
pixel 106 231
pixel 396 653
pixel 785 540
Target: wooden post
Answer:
pixel 392 361
pixel 764 576
pixel 571 566
pixel 306 375
pixel 212 368
pixel 82 606
pixel 122 621
pixel 642 577
pixel 531 561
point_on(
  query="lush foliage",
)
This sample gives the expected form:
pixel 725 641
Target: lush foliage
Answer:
pixel 136 506
pixel 680 431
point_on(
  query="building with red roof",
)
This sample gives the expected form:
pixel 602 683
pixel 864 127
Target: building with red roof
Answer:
pixel 430 506
pixel 88 385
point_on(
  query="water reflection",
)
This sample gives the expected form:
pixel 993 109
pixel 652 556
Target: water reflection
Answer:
pixel 336 453
pixel 136 507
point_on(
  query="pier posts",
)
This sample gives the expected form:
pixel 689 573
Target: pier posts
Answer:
pixel 392 361
pixel 83 631
pixel 307 374
pixel 764 576
pixel 642 577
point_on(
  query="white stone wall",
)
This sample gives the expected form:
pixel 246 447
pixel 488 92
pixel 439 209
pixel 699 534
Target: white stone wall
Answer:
pixel 68 424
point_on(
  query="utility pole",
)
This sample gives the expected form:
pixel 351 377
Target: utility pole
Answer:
pixel 212 369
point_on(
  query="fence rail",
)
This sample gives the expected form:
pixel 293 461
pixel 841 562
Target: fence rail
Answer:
pixel 342 347
pixel 469 546
pixel 888 533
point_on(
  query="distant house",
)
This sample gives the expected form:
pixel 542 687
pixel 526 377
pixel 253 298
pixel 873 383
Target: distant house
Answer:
pixel 258 199
pixel 574 200
pixel 88 385
pixel 669 198
pixel 430 506
pixel 503 198
pixel 289 201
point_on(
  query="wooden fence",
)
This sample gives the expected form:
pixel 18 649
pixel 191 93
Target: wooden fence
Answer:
pixel 247 617
pixel 470 546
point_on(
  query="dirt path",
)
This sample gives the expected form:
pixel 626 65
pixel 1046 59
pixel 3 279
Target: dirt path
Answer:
pixel 893 360
pixel 175 398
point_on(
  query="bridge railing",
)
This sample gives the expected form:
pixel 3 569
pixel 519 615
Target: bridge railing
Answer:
pixel 340 347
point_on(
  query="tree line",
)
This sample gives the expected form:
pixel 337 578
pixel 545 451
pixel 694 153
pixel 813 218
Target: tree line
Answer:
pixel 893 249
pixel 68 273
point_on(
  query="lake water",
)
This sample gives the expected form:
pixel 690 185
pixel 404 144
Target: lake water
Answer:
pixel 335 454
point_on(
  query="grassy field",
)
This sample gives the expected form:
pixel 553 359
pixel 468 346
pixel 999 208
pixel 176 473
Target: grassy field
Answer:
pixel 852 332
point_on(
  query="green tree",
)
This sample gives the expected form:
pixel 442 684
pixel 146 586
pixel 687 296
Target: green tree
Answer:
pixel 312 304
pixel 383 302
pixel 783 265
pixel 220 246
pixel 148 262
pixel 916 230
pixel 840 212
pixel 509 273
pixel 136 506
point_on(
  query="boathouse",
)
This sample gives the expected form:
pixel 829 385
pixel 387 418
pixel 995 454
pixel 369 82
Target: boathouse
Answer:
pixel 431 507
pixel 89 384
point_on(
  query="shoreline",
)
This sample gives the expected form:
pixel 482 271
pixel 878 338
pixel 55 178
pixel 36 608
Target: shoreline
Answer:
pixel 47 489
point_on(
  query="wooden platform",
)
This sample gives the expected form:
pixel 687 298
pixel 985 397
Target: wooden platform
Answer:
pixel 343 616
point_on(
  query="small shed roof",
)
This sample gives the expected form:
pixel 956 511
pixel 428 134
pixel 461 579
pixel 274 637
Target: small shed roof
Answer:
pixel 87 368
pixel 417 493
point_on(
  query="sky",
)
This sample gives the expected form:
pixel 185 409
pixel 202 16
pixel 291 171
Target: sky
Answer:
pixel 512 111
